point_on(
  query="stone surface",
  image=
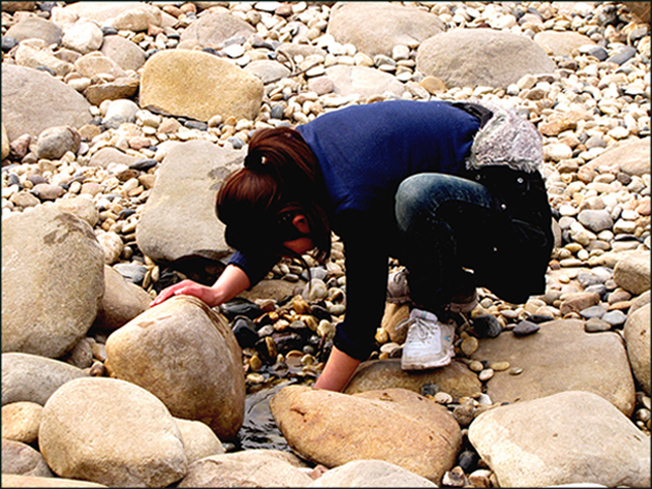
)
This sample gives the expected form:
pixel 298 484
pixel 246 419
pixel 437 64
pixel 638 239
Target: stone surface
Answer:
pixel 135 441
pixel 580 438
pixel 47 246
pixel 210 86
pixel 32 378
pixel 631 157
pixel 124 52
pixel 371 473
pixel 83 37
pixel 632 272
pixel 585 366
pixel 637 338
pixel 376 27
pixel 11 480
pixel 121 302
pixel 184 331
pixel 5 143
pixel 20 421
pixel 365 82
pixel 562 43
pixel 33 101
pixel 213 28
pixel 182 203
pixel 56 141
pixel 251 468
pixel 199 441
pixel 455 379
pixel 21 459
pixel 318 425
pixel 459 58
pixel 35 27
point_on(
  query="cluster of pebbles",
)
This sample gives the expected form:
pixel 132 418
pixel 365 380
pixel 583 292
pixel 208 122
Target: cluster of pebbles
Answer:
pixel 598 97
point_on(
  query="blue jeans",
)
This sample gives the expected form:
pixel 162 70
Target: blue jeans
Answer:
pixel 446 229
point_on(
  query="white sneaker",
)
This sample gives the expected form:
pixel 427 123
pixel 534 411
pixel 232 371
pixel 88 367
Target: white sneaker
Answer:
pixel 429 342
pixel 398 291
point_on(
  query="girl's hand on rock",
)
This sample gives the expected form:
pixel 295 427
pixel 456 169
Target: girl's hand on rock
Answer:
pixel 186 287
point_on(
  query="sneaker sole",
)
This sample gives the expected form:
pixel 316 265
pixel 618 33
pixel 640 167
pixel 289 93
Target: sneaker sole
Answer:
pixel 415 365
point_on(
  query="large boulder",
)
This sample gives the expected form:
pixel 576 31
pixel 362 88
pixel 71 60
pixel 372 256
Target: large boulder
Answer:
pixel 637 337
pixel 365 82
pixel 33 101
pixel 249 468
pixel 122 301
pixel 199 85
pixel 213 28
pixel 199 441
pixel 568 438
pixel 184 353
pixel 583 368
pixel 376 27
pixel 33 378
pixel 320 427
pixel 481 57
pixel 179 219
pixel 455 379
pixel 52 281
pixel 111 432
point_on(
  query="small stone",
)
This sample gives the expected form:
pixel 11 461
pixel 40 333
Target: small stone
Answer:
pixel 486 374
pixel 525 328
pixel 500 366
pixel 476 366
pixel 469 346
pixel 443 398
pixel 454 478
pixel 486 326
pixel 464 414
pixel 515 371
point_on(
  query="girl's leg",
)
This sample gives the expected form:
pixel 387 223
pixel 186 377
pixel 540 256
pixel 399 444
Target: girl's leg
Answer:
pixel 445 224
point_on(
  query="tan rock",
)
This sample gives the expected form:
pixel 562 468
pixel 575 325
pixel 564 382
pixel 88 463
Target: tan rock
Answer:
pixel 185 354
pixel 394 425
pixel 198 85
pixel 560 357
pixel 12 480
pixel 20 421
pixel 637 337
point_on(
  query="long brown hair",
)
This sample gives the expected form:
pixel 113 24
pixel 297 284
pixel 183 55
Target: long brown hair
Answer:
pixel 281 177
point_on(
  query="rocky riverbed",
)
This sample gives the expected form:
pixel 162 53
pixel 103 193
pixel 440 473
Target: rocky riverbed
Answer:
pixel 120 120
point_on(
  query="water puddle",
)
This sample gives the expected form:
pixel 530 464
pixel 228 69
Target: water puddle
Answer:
pixel 259 430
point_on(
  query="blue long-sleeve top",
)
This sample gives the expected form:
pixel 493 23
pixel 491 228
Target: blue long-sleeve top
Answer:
pixel 365 152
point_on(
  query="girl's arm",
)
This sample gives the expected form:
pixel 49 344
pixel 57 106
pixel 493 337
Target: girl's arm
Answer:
pixel 232 282
pixel 337 372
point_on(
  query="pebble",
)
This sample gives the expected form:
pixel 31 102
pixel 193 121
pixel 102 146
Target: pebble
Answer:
pixel 525 328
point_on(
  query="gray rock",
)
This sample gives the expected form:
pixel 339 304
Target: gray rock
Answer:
pixel 119 112
pixel 456 56
pixel 370 473
pixel 623 55
pixel 134 438
pixel 36 28
pixel 267 71
pixel 122 301
pixel 33 101
pixel 19 458
pixel 32 57
pixel 365 82
pixel 576 438
pixel 127 54
pixel 83 37
pixel 46 191
pixel 615 318
pixel 210 387
pixel 585 366
pixel 54 142
pixel 179 219
pixel 32 378
pixel 632 272
pixel 213 28
pixel 210 86
pixel 637 337
pixel 376 27
pixel 47 246
pixel 596 220
pixel 250 468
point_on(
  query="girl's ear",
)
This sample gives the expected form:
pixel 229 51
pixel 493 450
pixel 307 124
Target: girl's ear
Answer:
pixel 301 223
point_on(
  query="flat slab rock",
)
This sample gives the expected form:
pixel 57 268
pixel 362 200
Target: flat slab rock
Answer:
pixel 560 357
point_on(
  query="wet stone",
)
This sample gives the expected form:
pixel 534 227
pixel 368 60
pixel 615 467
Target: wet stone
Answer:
pixel 240 307
pixel 525 328
pixel 244 331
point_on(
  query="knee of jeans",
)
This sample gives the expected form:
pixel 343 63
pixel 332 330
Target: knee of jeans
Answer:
pixel 409 200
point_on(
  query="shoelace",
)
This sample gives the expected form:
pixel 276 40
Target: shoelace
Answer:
pixel 421 327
